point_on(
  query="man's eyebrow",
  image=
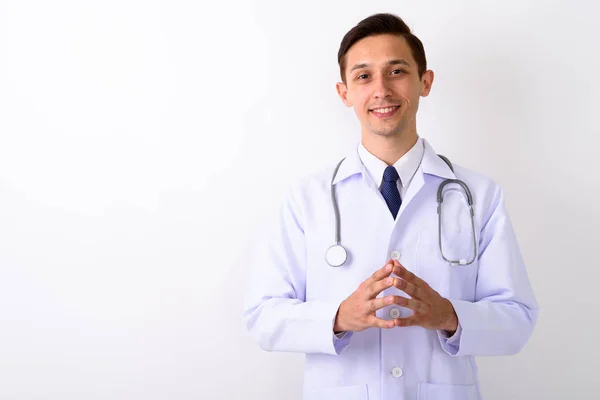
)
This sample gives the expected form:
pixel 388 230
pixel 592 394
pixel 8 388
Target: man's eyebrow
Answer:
pixel 398 61
pixel 359 66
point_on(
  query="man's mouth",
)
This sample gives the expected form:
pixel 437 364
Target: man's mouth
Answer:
pixel 384 112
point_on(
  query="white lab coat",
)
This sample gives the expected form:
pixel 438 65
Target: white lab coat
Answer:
pixel 293 294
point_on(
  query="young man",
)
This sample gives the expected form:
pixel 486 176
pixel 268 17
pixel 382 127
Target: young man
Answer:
pixel 424 287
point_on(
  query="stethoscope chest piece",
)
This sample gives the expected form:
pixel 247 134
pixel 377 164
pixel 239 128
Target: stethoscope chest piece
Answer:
pixel 336 255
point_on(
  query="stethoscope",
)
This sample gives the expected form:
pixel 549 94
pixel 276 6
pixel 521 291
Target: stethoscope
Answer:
pixel 337 255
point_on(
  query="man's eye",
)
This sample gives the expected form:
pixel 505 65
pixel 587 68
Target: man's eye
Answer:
pixel 398 71
pixel 362 76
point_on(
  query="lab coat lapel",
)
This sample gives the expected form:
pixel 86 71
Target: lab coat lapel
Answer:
pixel 415 186
pixel 431 164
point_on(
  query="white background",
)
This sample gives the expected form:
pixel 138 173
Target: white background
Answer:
pixel 144 143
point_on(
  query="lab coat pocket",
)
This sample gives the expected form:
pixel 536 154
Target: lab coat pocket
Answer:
pixel 453 281
pixel 358 392
pixel 430 391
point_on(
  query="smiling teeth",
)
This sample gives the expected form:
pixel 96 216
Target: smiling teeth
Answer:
pixel 384 110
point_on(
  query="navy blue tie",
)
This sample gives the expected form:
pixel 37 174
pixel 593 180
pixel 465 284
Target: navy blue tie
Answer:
pixel 389 190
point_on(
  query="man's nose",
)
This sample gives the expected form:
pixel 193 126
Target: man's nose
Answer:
pixel 382 88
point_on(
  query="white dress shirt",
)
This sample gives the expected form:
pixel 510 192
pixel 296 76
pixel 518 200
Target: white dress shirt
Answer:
pixel 406 166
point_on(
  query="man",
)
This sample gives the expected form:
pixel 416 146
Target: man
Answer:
pixel 420 293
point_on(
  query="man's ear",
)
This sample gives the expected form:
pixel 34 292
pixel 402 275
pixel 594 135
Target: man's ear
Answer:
pixel 342 90
pixel 426 82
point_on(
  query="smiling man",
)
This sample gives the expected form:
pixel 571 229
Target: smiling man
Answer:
pixel 425 272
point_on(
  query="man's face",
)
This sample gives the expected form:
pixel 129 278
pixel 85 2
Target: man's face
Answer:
pixel 383 85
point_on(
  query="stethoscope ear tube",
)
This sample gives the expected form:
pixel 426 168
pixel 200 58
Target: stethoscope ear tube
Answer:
pixel 336 255
pixel 336 211
pixel 440 197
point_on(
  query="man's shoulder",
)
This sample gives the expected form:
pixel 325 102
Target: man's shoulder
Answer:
pixel 472 175
pixel 324 174
pixel 485 189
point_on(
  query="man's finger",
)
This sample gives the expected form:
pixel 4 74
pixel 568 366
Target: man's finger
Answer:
pixel 409 288
pixel 379 286
pixel 381 323
pixel 408 276
pixel 408 321
pixel 381 302
pixel 381 273
pixel 412 304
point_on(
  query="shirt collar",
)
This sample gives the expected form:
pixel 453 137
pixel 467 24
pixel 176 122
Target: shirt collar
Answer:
pixel 406 166
pixel 431 164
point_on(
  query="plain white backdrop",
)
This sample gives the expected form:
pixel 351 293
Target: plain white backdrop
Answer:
pixel 143 145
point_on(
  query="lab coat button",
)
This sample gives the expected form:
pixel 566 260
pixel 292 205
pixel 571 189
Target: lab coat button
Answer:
pixel 396 255
pixel 397 372
pixel 394 313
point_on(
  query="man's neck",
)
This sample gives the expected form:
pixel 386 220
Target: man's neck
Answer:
pixel 389 149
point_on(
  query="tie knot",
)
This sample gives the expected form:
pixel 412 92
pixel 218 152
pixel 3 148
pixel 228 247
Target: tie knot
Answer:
pixel 390 174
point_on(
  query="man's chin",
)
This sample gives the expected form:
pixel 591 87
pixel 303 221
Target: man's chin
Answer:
pixel 385 128
pixel 386 131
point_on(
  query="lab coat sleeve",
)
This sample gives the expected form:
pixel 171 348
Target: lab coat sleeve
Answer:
pixel 447 339
pixel 275 310
pixel 502 317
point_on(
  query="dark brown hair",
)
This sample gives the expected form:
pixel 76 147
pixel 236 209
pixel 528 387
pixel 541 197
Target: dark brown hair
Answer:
pixel 380 24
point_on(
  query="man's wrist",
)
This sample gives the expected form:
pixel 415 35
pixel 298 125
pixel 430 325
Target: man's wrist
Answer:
pixel 336 323
pixel 337 328
pixel 451 323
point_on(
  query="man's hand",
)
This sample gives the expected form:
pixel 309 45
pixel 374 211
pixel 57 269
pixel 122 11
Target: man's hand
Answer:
pixel 357 312
pixel 430 310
